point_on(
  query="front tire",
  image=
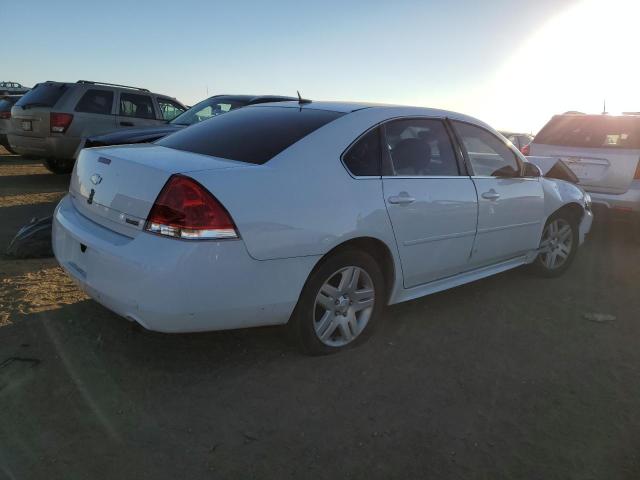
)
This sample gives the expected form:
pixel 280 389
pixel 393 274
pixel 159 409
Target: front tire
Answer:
pixel 558 246
pixel 59 166
pixel 340 303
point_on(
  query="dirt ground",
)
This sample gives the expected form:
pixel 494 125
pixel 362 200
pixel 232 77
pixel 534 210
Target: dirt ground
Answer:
pixel 503 378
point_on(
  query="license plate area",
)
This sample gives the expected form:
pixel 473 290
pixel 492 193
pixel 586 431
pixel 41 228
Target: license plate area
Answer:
pixel 26 125
pixel 587 169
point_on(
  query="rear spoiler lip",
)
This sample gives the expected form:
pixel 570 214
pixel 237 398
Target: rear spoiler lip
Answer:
pixel 554 167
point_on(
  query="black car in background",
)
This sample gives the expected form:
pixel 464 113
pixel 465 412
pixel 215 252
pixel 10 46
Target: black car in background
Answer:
pixel 203 110
pixel 6 102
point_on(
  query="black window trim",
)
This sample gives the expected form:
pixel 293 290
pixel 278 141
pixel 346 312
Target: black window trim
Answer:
pixel 377 126
pixel 467 161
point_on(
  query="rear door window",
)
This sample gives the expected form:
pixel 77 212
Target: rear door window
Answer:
pixel 169 109
pixel 250 134
pixel 591 132
pixel 43 95
pixel 139 106
pixel 96 101
pixel 363 157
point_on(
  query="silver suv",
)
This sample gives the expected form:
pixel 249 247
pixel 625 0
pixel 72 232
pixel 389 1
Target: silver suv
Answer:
pixel 604 152
pixel 53 120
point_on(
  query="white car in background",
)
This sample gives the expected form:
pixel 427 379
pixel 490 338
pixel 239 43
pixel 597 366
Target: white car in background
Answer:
pixel 315 214
pixel 604 152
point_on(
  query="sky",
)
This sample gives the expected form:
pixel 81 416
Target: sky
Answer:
pixel 511 63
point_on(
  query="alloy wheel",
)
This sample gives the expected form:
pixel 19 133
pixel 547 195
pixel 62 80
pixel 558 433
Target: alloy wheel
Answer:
pixel 556 244
pixel 343 306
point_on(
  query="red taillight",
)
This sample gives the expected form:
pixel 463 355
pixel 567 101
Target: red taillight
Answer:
pixel 636 176
pixel 185 209
pixel 60 122
pixel 526 150
pixel 5 115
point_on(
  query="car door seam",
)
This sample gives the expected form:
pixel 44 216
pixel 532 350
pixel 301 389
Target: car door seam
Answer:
pixel 506 227
pixel 395 237
pixel 409 243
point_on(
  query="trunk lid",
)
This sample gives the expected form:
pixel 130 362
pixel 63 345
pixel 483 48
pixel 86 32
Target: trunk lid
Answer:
pixel 117 186
pixel 603 170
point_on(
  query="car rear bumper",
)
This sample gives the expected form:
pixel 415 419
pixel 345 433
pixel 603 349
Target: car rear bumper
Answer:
pixel 44 147
pixel 171 285
pixel 628 202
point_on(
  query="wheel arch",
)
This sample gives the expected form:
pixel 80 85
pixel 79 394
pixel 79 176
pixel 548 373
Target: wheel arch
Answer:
pixel 375 247
pixel 572 209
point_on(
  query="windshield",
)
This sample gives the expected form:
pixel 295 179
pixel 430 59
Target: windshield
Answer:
pixel 43 94
pixel 591 132
pixel 206 109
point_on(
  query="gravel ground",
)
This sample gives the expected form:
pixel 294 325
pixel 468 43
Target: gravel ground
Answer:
pixel 509 377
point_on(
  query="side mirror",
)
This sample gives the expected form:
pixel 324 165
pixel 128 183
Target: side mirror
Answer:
pixel 530 170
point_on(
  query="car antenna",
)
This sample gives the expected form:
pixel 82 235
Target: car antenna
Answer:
pixel 301 100
pixel 604 107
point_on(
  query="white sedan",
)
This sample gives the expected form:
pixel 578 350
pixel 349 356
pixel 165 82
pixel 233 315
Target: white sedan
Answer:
pixel 312 214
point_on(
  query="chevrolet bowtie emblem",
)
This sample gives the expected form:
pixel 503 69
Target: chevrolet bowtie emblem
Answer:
pixel 95 179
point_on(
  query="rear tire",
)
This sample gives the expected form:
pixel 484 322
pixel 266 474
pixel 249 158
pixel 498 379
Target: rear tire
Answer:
pixel 340 303
pixel 59 166
pixel 558 246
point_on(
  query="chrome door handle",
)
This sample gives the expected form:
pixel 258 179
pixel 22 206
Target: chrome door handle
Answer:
pixel 401 199
pixel 491 195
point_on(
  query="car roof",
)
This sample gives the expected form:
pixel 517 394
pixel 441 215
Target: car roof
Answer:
pixel 253 98
pixel 105 85
pixel 599 115
pixel 394 110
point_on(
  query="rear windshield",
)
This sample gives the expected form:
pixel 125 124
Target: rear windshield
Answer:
pixel 591 132
pixel 42 95
pixel 250 134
